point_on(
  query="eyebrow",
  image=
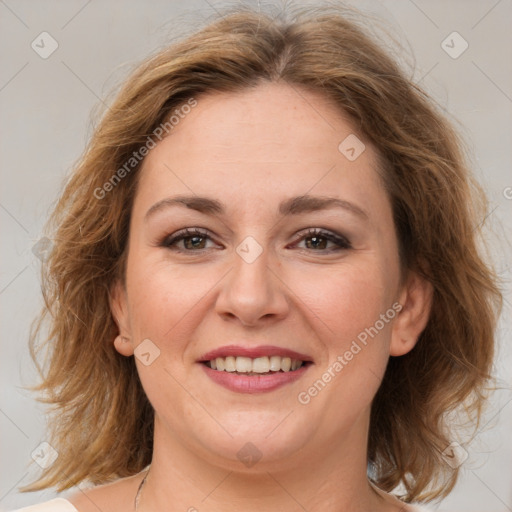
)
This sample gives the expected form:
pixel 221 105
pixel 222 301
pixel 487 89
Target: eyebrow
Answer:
pixel 291 206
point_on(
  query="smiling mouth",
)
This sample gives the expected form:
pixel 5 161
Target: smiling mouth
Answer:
pixel 266 365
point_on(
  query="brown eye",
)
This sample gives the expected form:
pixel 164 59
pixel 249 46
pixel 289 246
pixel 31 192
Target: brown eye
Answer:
pixel 318 240
pixel 193 240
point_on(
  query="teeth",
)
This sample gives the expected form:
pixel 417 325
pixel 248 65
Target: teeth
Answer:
pixel 261 365
pixel 230 365
pixel 257 365
pixel 243 364
pixel 275 363
pixel 286 364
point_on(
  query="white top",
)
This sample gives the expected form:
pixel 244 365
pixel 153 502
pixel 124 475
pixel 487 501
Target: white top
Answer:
pixel 55 505
pixel 63 505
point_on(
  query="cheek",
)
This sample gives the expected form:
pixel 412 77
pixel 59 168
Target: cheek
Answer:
pixel 166 306
pixel 355 341
pixel 347 300
pixel 165 299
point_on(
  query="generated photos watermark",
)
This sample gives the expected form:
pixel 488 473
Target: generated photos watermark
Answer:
pixel 137 156
pixel 304 397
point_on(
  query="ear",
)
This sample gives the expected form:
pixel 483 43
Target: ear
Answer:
pixel 119 308
pixel 416 301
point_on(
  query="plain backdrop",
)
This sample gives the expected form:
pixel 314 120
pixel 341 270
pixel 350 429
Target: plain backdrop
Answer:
pixel 46 106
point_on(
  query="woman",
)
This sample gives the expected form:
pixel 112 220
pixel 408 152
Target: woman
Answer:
pixel 265 287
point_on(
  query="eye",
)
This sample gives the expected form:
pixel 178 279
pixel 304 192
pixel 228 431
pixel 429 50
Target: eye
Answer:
pixel 318 239
pixel 193 239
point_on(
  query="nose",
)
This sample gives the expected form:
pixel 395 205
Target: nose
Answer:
pixel 252 292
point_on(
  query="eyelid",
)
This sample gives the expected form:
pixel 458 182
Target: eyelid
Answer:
pixel 181 234
pixel 341 241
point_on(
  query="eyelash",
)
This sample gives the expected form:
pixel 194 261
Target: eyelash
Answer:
pixel 342 242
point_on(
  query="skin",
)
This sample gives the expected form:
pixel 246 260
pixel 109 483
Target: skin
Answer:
pixel 252 150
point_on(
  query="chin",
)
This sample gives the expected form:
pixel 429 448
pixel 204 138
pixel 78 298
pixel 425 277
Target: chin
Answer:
pixel 259 440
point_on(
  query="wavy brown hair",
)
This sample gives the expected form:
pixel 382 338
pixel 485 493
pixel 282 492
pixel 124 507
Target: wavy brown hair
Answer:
pixel 102 424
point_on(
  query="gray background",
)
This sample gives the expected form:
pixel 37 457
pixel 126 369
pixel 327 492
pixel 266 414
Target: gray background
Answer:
pixel 46 107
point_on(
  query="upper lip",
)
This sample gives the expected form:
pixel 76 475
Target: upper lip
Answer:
pixel 253 352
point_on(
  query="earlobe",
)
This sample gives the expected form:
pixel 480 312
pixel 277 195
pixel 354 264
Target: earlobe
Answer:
pixel 416 301
pixel 119 309
pixel 123 346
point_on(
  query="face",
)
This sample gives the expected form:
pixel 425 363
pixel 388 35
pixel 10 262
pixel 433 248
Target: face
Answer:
pixel 280 247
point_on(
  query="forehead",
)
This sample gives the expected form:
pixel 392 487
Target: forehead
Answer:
pixel 271 141
pixel 269 119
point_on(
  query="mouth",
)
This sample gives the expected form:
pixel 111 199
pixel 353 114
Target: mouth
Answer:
pixel 266 365
pixel 253 370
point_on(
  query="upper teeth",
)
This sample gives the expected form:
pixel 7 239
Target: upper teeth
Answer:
pixel 256 365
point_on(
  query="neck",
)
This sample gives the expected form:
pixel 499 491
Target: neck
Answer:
pixel 333 479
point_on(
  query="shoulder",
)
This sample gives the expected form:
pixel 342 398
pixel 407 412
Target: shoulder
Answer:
pixel 115 496
pixel 55 505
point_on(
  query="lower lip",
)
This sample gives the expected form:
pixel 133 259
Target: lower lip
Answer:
pixel 255 383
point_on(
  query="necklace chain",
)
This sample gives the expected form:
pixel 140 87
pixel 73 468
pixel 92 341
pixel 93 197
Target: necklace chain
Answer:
pixel 138 495
pixel 141 485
